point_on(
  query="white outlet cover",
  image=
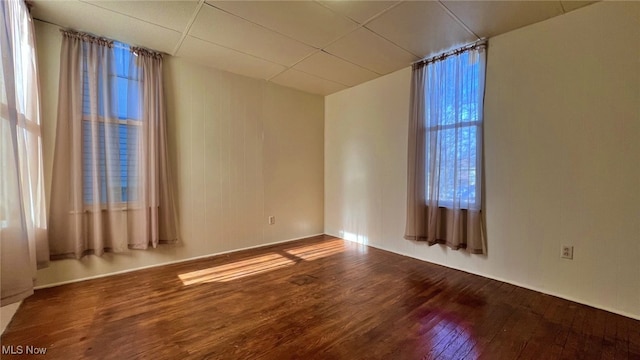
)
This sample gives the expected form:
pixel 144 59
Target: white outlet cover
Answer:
pixel 566 252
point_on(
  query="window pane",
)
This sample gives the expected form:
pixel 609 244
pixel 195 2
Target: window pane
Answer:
pixel 454 162
pixel 465 165
pixel 111 142
pixel 122 56
pixel 116 163
pixel 452 91
pixel 122 93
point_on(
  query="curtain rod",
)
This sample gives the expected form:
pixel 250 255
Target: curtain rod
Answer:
pixel 482 43
pixel 137 50
pixel 87 37
pixel 63 30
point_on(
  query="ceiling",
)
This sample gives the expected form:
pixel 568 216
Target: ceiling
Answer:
pixel 315 46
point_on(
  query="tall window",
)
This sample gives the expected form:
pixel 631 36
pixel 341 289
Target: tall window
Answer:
pixel 23 235
pixel 444 189
pixel 108 149
pixel 111 188
pixel 453 98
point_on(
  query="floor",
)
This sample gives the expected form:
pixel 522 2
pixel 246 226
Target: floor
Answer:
pixel 318 298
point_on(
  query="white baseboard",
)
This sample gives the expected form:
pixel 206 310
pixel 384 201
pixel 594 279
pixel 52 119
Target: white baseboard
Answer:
pixel 170 262
pixel 516 283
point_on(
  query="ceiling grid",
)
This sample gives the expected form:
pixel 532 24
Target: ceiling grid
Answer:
pixel 319 46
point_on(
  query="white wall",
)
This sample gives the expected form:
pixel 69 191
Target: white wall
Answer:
pixel 562 149
pixel 241 150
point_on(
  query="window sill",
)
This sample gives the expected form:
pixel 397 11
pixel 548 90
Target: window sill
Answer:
pixel 449 206
pixel 104 209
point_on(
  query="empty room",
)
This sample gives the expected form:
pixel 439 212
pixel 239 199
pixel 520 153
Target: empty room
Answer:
pixel 312 179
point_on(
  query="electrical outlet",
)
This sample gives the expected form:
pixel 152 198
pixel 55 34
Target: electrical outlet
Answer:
pixel 272 220
pixel 566 252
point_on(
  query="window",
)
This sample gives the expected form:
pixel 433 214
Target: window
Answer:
pixel 453 109
pixel 444 170
pixel 23 222
pixel 111 133
pixel 111 175
pixel 21 142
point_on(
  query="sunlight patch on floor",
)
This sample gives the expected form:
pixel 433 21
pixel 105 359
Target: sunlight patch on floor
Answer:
pixel 262 264
pixel 236 270
pixel 317 251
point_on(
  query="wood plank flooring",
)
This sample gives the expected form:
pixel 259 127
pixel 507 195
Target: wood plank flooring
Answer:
pixel 319 298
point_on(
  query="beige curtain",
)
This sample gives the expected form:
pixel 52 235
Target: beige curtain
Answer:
pixel 110 186
pixel 23 236
pixel 164 217
pixel 444 193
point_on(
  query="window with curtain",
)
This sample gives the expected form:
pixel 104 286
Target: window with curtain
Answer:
pixel 444 200
pixel 23 236
pixel 111 184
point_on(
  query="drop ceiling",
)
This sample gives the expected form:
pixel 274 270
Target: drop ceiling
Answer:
pixel 319 47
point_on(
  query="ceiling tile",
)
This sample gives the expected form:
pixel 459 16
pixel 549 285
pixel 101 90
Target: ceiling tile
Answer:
pixel 360 11
pixel 332 68
pixel 305 82
pixel 305 21
pixel 170 14
pixel 222 58
pixel 222 28
pixel 371 51
pixel 261 39
pixel 86 17
pixel 422 27
pixel 570 5
pixel 490 18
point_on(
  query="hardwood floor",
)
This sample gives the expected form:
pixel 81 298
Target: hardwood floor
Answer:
pixel 319 298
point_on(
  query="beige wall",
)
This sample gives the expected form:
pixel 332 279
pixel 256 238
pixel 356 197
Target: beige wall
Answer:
pixel 241 150
pixel 562 149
